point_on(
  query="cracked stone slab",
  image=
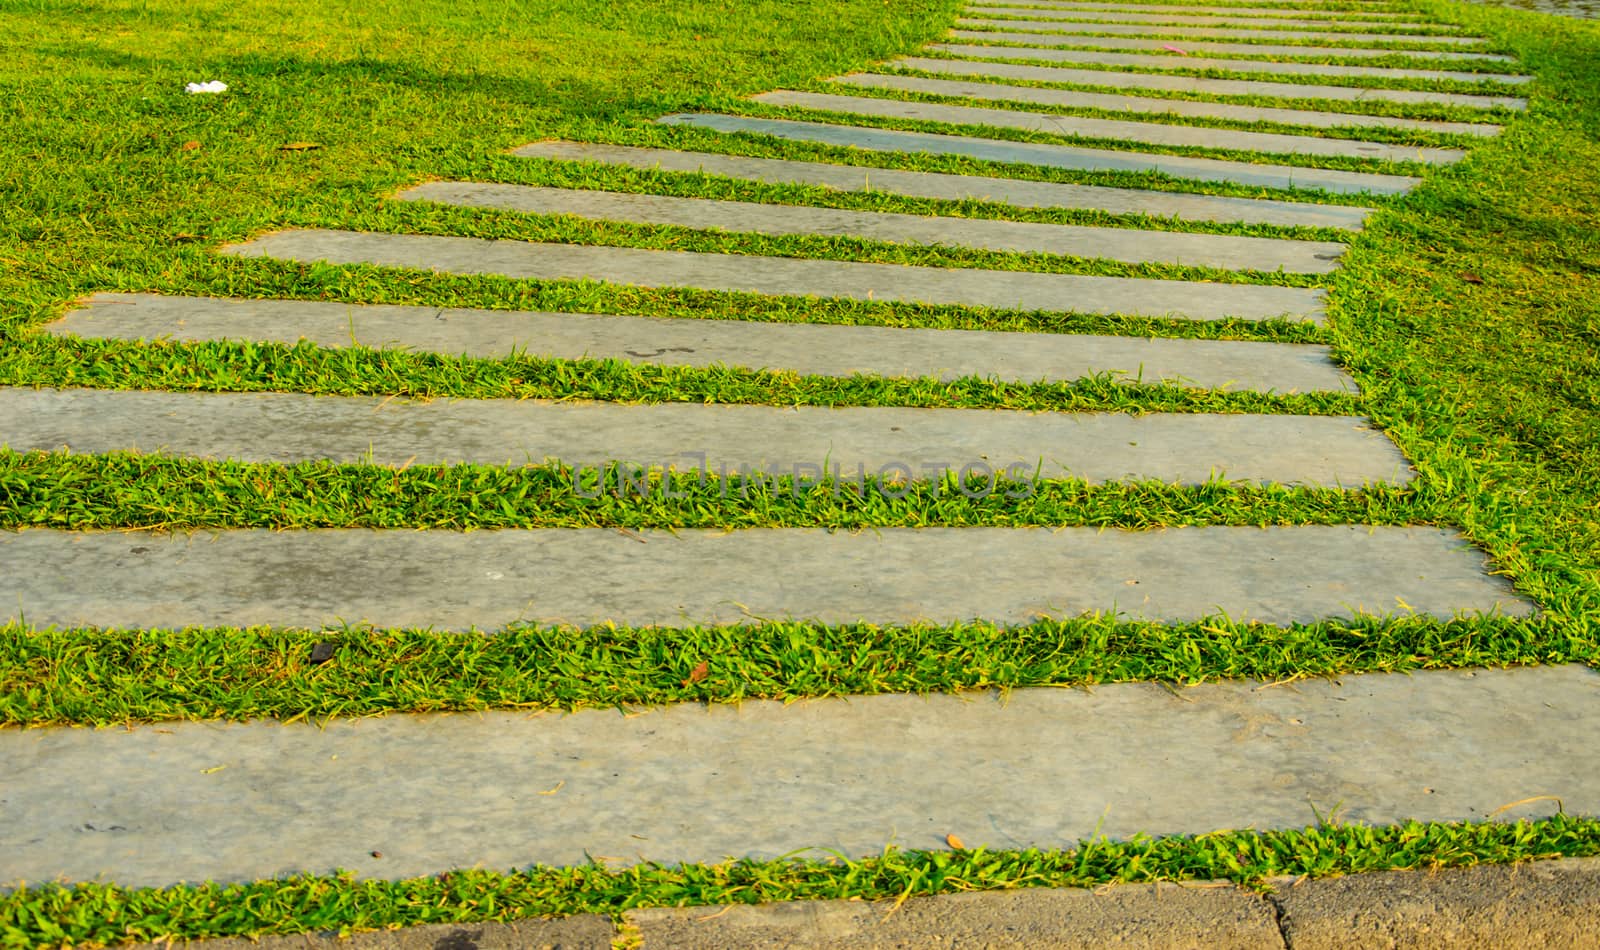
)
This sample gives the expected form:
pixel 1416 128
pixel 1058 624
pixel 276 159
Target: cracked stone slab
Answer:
pixel 1218 87
pixel 1149 916
pixel 1538 904
pixel 1018 192
pixel 1148 133
pixel 1052 156
pixel 1068 98
pixel 1058 28
pixel 812 349
pixel 748 273
pixel 1189 448
pixel 1118 244
pixel 147 806
pixel 1262 66
pixel 1049 40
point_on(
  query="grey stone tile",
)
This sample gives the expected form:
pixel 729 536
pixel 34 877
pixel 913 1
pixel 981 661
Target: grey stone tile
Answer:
pixel 1148 133
pixel 1068 98
pixel 1224 17
pixel 1146 916
pixel 1170 61
pixel 793 276
pixel 1179 83
pixel 1013 191
pixel 1118 244
pixel 1209 48
pixel 1055 156
pixel 697 783
pixel 1542 904
pixel 291 427
pixel 1067 27
pixel 814 349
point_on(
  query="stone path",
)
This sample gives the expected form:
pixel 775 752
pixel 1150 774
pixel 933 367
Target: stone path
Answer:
pixel 152 806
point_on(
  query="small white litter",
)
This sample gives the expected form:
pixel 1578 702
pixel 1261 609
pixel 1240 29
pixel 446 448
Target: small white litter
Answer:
pixel 212 86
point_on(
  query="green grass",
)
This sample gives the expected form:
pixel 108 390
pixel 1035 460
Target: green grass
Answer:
pixel 1467 312
pixel 93 915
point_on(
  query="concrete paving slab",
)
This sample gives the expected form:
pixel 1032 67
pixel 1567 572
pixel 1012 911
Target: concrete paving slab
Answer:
pixel 1364 12
pixel 1207 47
pixel 1226 32
pixel 291 427
pixel 1018 192
pixel 1219 87
pixel 1173 61
pixel 1054 156
pixel 748 273
pixel 814 349
pixel 588 932
pixel 1279 19
pixel 1542 904
pixel 1149 133
pixel 1148 916
pixel 1067 98
pixel 1118 244
pixel 146 806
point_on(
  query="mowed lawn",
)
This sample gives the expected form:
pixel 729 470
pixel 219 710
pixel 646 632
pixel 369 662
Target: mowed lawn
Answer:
pixel 1469 312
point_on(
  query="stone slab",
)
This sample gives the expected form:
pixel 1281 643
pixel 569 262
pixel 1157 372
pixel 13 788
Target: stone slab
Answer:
pixel 1147 133
pixel 1056 28
pixel 1206 47
pixel 1018 192
pixel 1073 99
pixel 1049 768
pixel 1221 17
pixel 1118 244
pixel 812 349
pixel 1144 9
pixel 586 932
pixel 1147 916
pixel 1218 87
pixel 1542 904
pixel 1054 156
pixel 749 273
pixel 1169 61
pixel 291 427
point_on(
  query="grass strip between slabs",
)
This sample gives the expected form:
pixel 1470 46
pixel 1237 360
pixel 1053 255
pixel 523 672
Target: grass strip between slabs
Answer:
pixel 93 915
pixel 111 677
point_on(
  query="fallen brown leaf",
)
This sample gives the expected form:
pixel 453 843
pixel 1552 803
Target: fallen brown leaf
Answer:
pixel 188 146
pixel 698 673
pixel 1472 278
pixel 954 842
pixel 299 146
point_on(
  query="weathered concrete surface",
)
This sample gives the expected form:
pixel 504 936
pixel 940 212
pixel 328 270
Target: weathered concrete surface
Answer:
pixel 1148 133
pixel 816 349
pixel 749 273
pixel 1181 107
pixel 489 579
pixel 1047 768
pixel 1118 244
pixel 1206 47
pixel 1056 28
pixel 1053 156
pixel 1173 61
pixel 1180 83
pixel 1543 904
pixel 589 932
pixel 1013 191
pixel 291 427
pixel 1151 916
